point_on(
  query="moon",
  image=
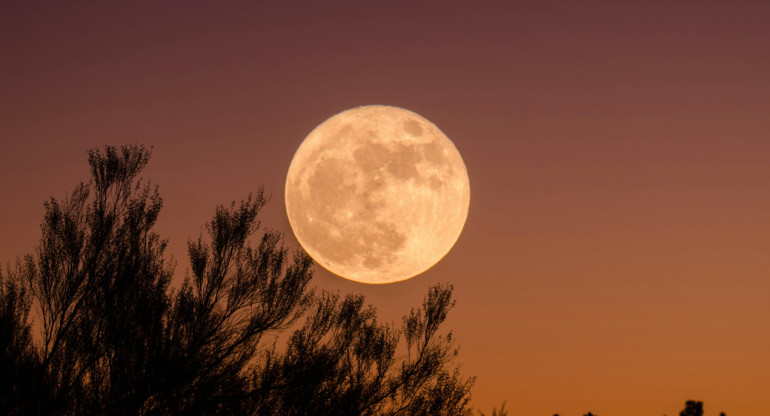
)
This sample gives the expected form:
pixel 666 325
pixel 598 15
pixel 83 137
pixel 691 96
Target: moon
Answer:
pixel 377 194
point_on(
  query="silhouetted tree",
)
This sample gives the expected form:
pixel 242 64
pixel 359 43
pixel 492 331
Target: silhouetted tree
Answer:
pixel 342 362
pixel 692 408
pixel 17 358
pixel 116 339
pixel 502 411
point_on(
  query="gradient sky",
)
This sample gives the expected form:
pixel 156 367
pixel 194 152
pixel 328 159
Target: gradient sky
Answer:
pixel 616 254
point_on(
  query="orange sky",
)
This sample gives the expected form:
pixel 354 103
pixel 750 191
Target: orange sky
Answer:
pixel 615 258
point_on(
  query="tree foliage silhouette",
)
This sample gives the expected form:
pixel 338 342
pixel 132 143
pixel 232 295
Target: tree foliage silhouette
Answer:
pixel 495 412
pixel 692 408
pixel 116 338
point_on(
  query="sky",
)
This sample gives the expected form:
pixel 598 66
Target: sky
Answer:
pixel 615 256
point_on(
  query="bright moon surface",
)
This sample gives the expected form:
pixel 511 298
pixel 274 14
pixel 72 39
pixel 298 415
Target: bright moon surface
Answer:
pixel 377 194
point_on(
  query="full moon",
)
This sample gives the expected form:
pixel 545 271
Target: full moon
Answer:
pixel 377 194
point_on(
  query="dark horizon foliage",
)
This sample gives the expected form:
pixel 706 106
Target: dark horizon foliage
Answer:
pixel 113 337
pixel 691 408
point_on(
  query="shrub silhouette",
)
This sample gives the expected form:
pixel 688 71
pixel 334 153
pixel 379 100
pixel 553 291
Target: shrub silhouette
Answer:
pixel 115 338
pixel 692 408
pixel 502 411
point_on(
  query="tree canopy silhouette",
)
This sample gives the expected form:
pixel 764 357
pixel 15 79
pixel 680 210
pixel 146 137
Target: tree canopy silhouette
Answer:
pixel 113 337
pixel 495 412
pixel 692 408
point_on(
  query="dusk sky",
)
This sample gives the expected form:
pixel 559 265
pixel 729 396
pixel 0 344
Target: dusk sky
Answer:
pixel 616 256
